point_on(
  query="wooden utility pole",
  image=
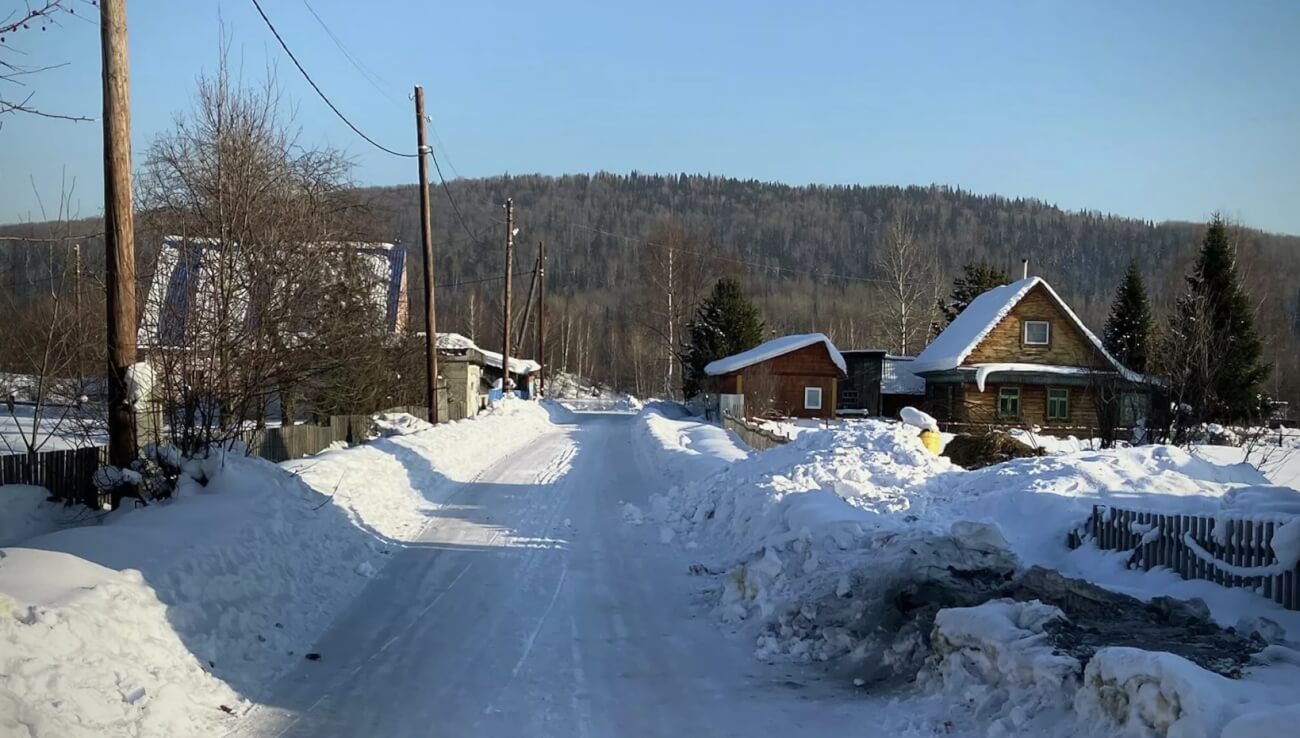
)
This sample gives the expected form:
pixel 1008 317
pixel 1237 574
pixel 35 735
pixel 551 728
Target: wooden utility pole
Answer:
pixel 79 326
pixel 506 321
pixel 528 310
pixel 541 312
pixel 426 244
pixel 119 232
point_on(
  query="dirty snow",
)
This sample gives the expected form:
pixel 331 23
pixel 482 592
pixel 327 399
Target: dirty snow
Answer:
pixel 806 522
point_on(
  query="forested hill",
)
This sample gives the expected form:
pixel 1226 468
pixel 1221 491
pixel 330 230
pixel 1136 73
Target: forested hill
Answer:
pixel 834 230
pixel 808 256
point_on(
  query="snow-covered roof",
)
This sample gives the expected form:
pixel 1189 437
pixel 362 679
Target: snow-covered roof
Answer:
pixel 182 301
pixel 772 349
pixel 491 358
pixel 951 347
pixel 982 371
pixel 897 377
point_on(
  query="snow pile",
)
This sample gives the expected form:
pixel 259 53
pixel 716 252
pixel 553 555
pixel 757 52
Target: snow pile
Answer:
pixel 399 424
pixel 676 447
pixel 29 512
pixel 996 659
pixel 813 538
pixel 1153 693
pixel 918 419
pixel 150 623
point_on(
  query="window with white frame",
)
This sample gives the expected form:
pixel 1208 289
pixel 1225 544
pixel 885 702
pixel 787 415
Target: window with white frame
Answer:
pixel 812 398
pixel 1037 333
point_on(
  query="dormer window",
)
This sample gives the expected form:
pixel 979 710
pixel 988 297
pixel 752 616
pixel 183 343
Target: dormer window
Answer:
pixel 1037 333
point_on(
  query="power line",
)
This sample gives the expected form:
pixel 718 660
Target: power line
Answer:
pixel 521 273
pixel 317 88
pixel 447 191
pixel 361 68
pixel 366 72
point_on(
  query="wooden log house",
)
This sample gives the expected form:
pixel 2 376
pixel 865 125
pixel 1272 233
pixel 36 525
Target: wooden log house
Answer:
pixel 1019 356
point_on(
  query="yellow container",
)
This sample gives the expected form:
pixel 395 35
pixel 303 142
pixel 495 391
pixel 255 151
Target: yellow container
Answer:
pixel 932 441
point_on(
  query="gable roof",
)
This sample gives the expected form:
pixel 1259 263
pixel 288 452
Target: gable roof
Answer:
pixel 772 349
pixel 951 347
pixel 179 299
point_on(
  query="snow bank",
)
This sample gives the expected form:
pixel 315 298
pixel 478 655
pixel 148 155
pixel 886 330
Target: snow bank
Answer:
pixel 996 659
pixel 28 512
pixel 799 529
pixel 148 624
pixel 1152 693
pixel 676 447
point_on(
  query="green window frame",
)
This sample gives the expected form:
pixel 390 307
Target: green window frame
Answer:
pixel 1008 402
pixel 1058 403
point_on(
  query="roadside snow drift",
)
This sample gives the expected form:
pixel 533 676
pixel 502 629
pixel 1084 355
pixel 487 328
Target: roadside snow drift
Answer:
pixel 809 532
pixel 166 620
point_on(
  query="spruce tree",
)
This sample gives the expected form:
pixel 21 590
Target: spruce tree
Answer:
pixel 1128 329
pixel 975 280
pixel 726 323
pixel 1229 386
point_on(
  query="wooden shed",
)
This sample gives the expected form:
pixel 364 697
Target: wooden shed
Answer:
pixel 792 376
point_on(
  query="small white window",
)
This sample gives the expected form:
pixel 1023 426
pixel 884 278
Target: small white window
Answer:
pixel 1038 333
pixel 812 398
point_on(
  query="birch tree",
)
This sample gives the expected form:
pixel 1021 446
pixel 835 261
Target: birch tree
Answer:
pixel 909 276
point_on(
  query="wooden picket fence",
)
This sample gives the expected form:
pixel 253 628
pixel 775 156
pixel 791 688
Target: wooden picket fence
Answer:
pixel 1158 539
pixel 67 474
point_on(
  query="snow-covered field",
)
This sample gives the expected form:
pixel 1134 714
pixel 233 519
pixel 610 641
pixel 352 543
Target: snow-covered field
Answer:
pixel 167 620
pixel 850 510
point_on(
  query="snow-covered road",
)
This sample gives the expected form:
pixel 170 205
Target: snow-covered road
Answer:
pixel 528 608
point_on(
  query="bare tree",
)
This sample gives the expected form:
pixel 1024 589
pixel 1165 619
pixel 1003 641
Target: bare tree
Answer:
pixel 911 285
pixel 263 289
pixel 48 340
pixel 15 94
pixel 674 276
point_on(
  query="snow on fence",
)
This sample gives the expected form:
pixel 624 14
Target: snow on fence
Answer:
pixel 1232 553
pixel 754 436
pixel 66 473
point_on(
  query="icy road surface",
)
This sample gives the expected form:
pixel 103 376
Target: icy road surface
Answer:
pixel 529 608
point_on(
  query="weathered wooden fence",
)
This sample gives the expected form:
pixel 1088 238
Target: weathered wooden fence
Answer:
pixel 1239 555
pixel 754 436
pixel 68 474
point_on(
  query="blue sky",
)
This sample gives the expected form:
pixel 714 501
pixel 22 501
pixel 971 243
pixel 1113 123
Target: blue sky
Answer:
pixel 1156 109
